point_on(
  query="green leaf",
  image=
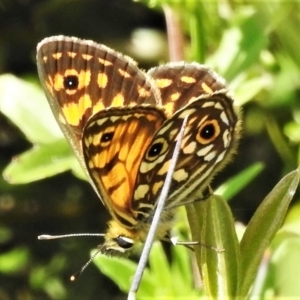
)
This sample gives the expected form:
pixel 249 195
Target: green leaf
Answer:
pixel 162 280
pixel 235 184
pixel 14 260
pixel 110 265
pixel 159 262
pixel 292 220
pixel 246 89
pixel 263 226
pixel 212 225
pixel 26 106
pixel 183 281
pixel 40 162
pixel 278 271
pixel 121 271
pixel 285 264
pixel 45 279
pixel 287 32
pixel 239 47
pixel 173 280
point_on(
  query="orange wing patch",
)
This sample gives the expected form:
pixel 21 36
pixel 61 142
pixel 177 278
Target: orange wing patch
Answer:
pixel 163 82
pixel 188 79
pixel 114 150
pixel 57 55
pixel 118 100
pixel 102 80
pixel 73 112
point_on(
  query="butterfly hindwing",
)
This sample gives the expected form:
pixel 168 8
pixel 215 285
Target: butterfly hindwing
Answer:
pixel 180 83
pixel 208 141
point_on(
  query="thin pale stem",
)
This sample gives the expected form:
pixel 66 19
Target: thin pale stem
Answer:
pixel 175 35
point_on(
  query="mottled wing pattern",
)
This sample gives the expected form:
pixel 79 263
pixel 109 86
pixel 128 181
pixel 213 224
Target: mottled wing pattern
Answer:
pixel 181 83
pixel 210 136
pixel 114 142
pixel 123 123
pixel 81 78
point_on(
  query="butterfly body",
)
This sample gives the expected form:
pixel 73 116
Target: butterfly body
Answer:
pixel 123 124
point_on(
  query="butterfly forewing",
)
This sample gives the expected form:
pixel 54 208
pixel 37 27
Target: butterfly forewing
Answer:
pixel 209 138
pixel 81 78
pixel 114 143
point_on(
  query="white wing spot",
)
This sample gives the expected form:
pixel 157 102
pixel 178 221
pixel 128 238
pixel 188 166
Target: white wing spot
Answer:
pixel 141 191
pixel 210 156
pixel 224 118
pixel 205 150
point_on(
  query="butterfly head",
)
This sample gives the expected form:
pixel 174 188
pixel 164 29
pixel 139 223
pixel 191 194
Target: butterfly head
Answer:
pixel 119 241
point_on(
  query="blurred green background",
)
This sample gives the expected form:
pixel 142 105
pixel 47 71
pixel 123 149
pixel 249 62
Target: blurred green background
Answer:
pixel 254 45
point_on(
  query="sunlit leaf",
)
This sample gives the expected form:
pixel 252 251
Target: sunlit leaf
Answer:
pixel 212 225
pixel 25 105
pixel 264 224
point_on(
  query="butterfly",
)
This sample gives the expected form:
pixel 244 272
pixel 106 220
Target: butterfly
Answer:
pixel 123 124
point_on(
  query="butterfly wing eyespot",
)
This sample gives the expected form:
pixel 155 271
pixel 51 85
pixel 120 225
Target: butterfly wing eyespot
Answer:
pixel 208 132
pixel 107 137
pixel 158 147
pixel 71 82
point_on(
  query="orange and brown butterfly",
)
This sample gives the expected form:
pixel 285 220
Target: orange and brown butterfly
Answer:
pixel 122 124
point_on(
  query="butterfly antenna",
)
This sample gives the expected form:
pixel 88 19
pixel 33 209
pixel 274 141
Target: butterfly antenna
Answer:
pixel 156 218
pixel 52 237
pixel 78 273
